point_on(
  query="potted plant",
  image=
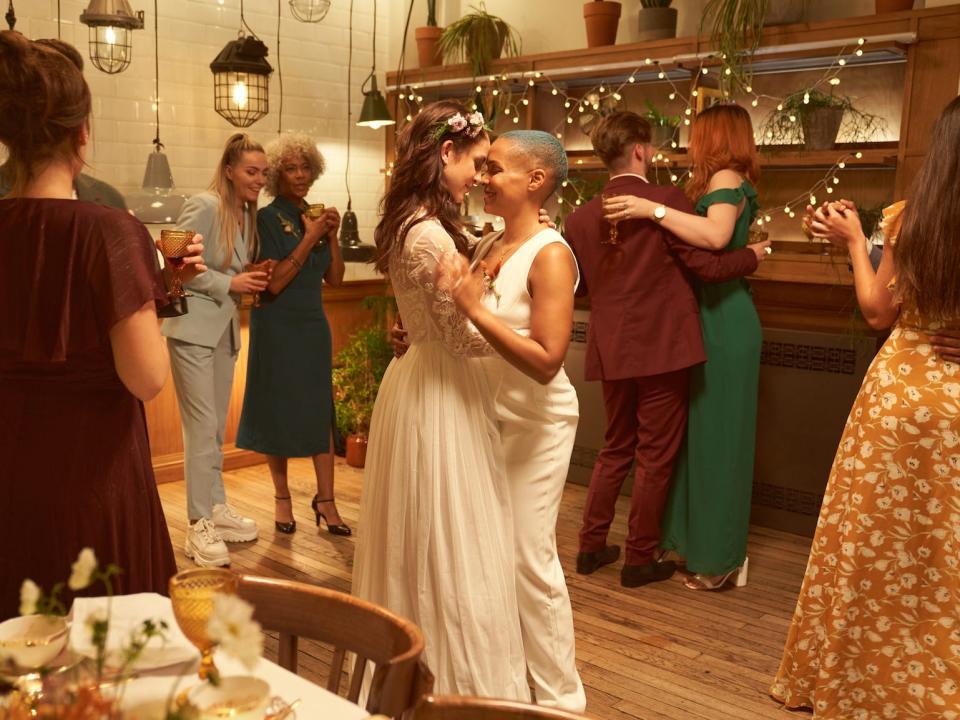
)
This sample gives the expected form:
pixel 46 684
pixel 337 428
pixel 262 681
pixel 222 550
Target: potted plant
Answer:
pixel 602 17
pixel 428 38
pixel 357 372
pixel 814 118
pixel 889 6
pixel 657 20
pixel 664 129
pixel 478 39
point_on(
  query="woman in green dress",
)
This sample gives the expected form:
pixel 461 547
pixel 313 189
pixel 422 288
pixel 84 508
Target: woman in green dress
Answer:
pixel 707 516
pixel 288 403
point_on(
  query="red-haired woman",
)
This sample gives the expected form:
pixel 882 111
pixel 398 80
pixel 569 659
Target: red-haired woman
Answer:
pixel 707 516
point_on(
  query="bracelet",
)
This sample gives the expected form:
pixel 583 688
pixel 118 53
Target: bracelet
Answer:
pixel 297 263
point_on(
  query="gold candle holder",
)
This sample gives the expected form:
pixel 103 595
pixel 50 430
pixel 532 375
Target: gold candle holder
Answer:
pixel 173 245
pixel 191 594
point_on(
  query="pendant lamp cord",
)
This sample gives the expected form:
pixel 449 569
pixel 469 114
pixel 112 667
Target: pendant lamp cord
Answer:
pixel 156 72
pixel 11 15
pixel 401 65
pixel 346 174
pixel 243 22
pixel 279 70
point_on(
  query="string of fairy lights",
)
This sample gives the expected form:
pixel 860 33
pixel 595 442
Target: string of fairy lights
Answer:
pixel 509 95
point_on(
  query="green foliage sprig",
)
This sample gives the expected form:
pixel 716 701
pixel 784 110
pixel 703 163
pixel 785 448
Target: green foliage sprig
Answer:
pixel 735 28
pixel 657 118
pixel 431 13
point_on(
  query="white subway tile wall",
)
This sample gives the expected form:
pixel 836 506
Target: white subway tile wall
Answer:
pixel 192 32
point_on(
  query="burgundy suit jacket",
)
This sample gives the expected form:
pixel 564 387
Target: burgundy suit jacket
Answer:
pixel 644 317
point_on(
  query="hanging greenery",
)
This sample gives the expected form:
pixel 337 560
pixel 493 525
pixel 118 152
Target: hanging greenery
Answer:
pixel 478 39
pixel 735 28
pixel 785 124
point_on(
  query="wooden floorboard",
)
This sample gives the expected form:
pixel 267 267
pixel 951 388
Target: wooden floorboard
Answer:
pixel 659 652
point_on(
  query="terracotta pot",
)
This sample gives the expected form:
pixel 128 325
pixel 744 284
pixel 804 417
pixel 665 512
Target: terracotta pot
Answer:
pixel 428 46
pixel 657 23
pixel 357 451
pixel 889 6
pixel 602 17
pixel 785 12
pixel 820 128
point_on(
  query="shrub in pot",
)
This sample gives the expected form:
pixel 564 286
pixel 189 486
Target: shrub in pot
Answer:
pixel 428 38
pixel 664 129
pixel 816 118
pixel 478 39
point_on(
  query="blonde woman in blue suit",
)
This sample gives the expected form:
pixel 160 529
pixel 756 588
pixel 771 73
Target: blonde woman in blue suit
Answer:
pixel 204 344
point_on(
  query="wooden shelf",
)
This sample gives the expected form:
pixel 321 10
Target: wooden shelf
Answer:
pixel 878 155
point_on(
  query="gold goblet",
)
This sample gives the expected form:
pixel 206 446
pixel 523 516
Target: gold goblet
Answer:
pixel 191 594
pixel 613 238
pixel 315 210
pixel 173 245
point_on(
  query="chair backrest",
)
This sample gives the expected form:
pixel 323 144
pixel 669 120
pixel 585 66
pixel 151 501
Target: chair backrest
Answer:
pixel 460 707
pixel 374 634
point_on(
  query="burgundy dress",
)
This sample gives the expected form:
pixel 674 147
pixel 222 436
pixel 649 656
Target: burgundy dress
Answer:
pixel 75 465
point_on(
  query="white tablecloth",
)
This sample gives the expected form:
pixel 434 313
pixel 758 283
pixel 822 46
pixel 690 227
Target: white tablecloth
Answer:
pixel 145 696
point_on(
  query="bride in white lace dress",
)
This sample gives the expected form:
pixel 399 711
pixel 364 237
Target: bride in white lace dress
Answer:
pixel 435 538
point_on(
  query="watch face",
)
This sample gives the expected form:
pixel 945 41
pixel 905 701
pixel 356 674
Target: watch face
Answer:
pixel 660 212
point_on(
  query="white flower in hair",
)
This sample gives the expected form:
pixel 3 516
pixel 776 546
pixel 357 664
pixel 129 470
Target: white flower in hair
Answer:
pixel 457 122
pixel 476 119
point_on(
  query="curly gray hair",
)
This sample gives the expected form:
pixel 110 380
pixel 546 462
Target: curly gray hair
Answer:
pixel 289 146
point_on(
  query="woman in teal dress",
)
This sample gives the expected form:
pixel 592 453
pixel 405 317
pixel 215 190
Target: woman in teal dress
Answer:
pixel 707 516
pixel 288 403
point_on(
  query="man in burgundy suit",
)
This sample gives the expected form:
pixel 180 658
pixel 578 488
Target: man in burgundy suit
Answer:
pixel 644 336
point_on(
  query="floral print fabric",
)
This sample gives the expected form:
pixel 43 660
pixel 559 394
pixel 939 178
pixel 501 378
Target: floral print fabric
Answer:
pixel 876 631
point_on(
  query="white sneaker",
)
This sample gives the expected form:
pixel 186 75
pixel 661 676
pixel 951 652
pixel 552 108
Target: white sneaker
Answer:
pixel 232 526
pixel 204 546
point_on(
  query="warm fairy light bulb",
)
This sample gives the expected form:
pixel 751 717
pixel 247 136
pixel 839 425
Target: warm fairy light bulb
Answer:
pixel 748 89
pixel 661 75
pixel 705 70
pixel 617 96
pixel 648 61
pixel 559 201
pixel 567 104
pixel 110 35
pixel 829 190
pixel 409 118
pixel 769 134
pixel 841 61
pixel 564 183
pixel 559 136
pixel 672 96
pixel 767 218
pixel 532 82
pixel 686 121
pixel 240 94
pixel 580 108
pixel 842 165
pixel 792 214
pixel 569 121
pixel 787 209
pixel 728 71
pixel 673 178
pixel 403 97
pixel 496 92
pixel 806 98
pixel 515 119
pixel 596 106
pixel 688 111
pixel 695 93
pixel 813 199
pixel 861 41
pixel 631 79
pixel 859 154
pixel 779 107
pixel 538 74
pixel 479 89
pixel 505 112
pixel 836 180
pixel 793 118
pixel 859 52
pixel 503 77
pixel 673 143
pixel 602 88
pixel 554 92
pixel 835 81
pixel 759 221
pixel 578 201
pixel 525 101
pixel 754 102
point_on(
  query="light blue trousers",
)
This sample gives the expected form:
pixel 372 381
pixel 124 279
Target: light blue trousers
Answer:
pixel 203 378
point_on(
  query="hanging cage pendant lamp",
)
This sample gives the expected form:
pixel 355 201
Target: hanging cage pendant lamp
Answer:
pixel 309 11
pixel 241 78
pixel 111 24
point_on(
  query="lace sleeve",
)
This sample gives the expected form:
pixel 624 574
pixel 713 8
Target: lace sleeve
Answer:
pixel 425 247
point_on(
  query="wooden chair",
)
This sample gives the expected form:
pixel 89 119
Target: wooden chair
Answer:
pixel 374 634
pixel 459 707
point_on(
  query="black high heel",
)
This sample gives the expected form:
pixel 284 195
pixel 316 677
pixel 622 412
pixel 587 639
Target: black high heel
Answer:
pixel 332 529
pixel 287 528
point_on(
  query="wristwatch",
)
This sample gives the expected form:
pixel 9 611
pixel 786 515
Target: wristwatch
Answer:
pixel 659 213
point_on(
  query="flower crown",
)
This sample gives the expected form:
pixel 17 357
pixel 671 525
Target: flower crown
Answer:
pixel 471 126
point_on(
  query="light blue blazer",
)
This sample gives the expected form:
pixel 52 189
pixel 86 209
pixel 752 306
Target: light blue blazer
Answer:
pixel 212 306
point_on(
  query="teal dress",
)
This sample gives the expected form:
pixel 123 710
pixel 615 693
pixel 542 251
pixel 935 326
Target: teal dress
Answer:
pixel 288 402
pixel 708 512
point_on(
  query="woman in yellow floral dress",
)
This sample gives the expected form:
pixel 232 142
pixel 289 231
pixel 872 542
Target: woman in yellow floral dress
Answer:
pixel 876 631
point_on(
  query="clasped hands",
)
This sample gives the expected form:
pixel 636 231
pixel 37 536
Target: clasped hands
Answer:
pixel 324 226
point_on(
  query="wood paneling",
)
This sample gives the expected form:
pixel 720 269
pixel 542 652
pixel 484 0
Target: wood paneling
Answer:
pixel 345 313
pixel 659 652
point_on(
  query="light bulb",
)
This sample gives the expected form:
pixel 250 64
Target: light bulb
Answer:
pixel 632 79
pixel 554 91
pixel 754 102
pixel 110 35
pixel 526 102
pixel 240 94
pixel 516 119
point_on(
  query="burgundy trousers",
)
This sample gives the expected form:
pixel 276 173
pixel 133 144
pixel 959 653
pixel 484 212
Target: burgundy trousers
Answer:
pixel 646 419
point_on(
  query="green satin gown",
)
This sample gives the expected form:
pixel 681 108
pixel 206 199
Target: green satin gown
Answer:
pixel 708 512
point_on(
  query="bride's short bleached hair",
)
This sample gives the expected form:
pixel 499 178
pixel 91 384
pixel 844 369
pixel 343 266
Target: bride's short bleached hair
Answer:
pixel 545 149
pixel 288 146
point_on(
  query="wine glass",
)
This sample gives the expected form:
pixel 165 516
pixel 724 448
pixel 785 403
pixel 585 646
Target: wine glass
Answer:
pixel 315 211
pixel 191 594
pixel 173 245
pixel 264 266
pixel 613 238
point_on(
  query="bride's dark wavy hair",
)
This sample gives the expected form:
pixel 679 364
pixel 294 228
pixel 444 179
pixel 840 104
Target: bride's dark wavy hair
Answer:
pixel 417 180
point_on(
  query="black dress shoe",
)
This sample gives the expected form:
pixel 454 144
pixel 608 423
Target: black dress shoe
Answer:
pixel 588 562
pixel 637 575
pixel 287 528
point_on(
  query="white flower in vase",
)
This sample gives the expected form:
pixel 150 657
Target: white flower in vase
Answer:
pixel 29 596
pixel 82 570
pixel 232 626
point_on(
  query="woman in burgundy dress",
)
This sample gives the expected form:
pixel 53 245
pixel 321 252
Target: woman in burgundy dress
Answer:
pixel 80 348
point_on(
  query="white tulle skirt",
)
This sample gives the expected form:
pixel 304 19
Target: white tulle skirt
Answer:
pixel 435 543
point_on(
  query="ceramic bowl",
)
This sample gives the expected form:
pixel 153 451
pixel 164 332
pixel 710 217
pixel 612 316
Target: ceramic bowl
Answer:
pixel 236 698
pixel 32 641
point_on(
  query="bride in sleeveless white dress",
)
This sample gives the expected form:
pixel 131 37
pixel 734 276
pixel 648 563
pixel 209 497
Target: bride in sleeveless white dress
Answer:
pixel 435 541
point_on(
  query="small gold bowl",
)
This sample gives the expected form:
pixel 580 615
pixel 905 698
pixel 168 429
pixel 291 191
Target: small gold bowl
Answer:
pixel 315 210
pixel 32 641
